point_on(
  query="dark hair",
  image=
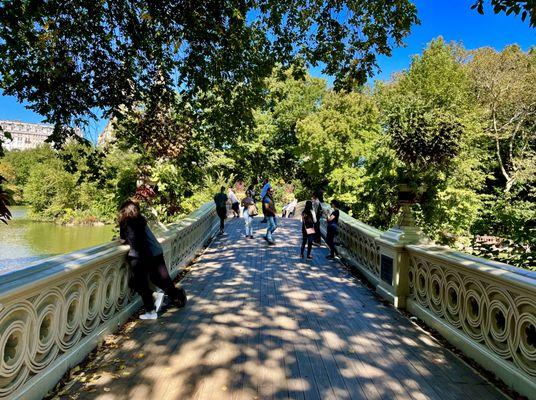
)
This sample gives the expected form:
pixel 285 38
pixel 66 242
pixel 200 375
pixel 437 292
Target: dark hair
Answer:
pixel 308 206
pixel 222 189
pixel 128 210
pixel 250 187
pixel 335 203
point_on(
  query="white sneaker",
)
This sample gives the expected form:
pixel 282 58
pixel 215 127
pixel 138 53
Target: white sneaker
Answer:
pixel 158 300
pixel 149 315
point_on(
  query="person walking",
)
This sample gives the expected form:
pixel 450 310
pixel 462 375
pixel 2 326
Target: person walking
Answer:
pixel 317 208
pixel 308 228
pixel 270 214
pixel 333 228
pixel 220 200
pixel 249 212
pixel 146 258
pixel 265 187
pixel 235 204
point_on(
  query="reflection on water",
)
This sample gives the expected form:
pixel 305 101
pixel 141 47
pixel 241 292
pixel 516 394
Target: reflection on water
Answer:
pixel 23 241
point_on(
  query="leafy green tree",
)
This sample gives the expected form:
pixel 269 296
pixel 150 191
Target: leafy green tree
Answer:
pixel 431 122
pixel 504 87
pixel 71 60
pixel 336 141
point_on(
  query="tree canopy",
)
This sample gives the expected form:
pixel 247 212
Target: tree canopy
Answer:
pixel 72 60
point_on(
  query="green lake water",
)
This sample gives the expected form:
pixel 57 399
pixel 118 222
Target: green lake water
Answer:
pixel 23 241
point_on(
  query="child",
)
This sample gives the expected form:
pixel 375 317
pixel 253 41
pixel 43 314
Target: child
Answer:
pixel 146 258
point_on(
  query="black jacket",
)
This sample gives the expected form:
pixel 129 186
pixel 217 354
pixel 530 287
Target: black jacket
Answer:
pixel 133 232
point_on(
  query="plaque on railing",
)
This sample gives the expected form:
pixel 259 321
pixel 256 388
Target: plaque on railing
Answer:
pixel 386 269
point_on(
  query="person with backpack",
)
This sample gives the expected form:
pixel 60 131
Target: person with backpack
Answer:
pixel 220 200
pixel 249 212
pixel 235 204
pixel 333 228
pixel 265 188
pixel 146 259
pixel 270 213
pixel 308 218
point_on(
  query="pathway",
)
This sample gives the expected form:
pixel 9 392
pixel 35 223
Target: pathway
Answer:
pixel 262 323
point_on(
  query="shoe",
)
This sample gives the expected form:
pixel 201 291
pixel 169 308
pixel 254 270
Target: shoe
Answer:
pixel 182 299
pixel 330 257
pixel 158 300
pixel 301 255
pixel 149 315
pixel 309 257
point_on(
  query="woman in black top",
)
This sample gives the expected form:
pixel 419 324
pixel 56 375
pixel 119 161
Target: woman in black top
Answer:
pixel 308 228
pixel 146 258
pixel 333 228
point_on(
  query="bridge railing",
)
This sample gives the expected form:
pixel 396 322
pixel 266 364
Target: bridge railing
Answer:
pixel 54 312
pixel 484 308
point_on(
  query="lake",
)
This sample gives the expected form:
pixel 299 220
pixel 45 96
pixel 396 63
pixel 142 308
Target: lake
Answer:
pixel 23 241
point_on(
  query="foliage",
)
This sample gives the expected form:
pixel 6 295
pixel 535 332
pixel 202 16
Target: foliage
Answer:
pixel 337 140
pixel 72 60
pixel 525 7
pixel 504 86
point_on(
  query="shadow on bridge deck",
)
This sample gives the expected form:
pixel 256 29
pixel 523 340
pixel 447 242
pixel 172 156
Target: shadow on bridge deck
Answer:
pixel 262 323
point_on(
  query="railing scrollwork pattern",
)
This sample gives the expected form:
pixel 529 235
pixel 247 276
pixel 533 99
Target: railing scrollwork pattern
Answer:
pixel 491 311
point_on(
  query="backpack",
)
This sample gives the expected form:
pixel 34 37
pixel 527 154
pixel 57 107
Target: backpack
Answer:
pixel 252 210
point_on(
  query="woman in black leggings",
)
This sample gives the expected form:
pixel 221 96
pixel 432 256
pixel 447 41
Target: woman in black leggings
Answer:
pixel 308 228
pixel 146 258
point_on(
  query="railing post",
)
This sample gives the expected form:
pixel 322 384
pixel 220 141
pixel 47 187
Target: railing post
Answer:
pixel 394 261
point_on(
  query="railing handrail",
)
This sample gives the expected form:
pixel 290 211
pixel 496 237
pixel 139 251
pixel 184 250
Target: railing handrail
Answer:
pixel 490 268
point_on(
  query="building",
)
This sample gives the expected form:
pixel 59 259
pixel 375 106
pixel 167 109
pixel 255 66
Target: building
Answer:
pixel 26 135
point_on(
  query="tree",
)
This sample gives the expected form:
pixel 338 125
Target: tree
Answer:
pixel 336 141
pixel 71 60
pixel 504 87
pixel 432 125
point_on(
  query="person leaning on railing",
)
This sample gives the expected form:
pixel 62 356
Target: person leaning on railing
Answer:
pixel 146 258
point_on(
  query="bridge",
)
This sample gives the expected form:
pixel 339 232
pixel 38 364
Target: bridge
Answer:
pixel 262 323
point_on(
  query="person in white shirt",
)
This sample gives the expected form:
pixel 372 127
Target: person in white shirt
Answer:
pixel 235 204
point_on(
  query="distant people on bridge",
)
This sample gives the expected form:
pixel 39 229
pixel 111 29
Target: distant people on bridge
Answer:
pixel 333 228
pixel 249 212
pixel 268 206
pixel 265 187
pixel 251 193
pixel 317 208
pixel 146 258
pixel 288 210
pixel 220 200
pixel 308 218
pixel 235 204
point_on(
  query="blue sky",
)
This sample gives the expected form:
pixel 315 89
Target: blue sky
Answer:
pixel 452 19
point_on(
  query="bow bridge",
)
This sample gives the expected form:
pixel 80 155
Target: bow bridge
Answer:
pixel 262 323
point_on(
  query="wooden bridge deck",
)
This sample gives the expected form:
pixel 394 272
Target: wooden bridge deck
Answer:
pixel 261 323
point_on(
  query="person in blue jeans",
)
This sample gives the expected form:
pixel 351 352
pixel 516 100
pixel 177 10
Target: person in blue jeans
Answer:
pixel 270 212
